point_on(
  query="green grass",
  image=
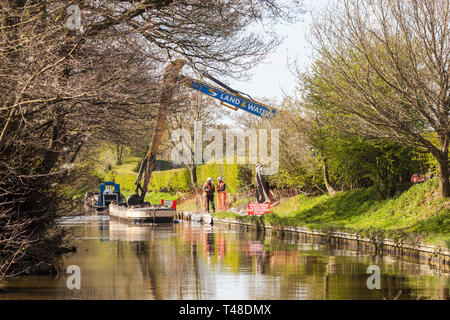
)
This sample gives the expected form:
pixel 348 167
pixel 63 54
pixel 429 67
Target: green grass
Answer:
pixel 153 197
pixel 290 205
pixel 124 175
pixel 417 213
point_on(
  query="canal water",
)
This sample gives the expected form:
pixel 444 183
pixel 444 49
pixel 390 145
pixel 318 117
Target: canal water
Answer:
pixel 194 261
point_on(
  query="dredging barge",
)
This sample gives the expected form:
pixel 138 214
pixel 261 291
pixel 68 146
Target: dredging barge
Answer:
pixel 109 201
pixel 144 213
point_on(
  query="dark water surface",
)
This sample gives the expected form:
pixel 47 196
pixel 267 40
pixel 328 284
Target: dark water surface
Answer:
pixel 191 261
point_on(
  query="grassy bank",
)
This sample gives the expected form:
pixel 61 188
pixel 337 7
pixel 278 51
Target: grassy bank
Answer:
pixel 416 214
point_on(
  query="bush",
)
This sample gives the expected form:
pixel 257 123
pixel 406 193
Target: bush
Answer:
pixel 236 176
pixel 164 165
pixel 171 180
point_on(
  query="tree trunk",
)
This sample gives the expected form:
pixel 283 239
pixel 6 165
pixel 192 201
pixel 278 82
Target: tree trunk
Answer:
pixel 119 152
pixel 330 189
pixel 51 155
pixel 193 171
pixel 75 153
pixel 444 184
pixel 169 82
pixel 441 156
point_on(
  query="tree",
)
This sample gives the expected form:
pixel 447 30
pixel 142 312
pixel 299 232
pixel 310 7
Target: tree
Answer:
pixel 385 65
pixel 313 134
pixel 383 164
pixel 200 110
pixel 63 90
pixel 301 165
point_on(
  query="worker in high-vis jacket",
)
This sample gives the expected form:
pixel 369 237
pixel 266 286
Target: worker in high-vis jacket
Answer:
pixel 208 192
pixel 221 194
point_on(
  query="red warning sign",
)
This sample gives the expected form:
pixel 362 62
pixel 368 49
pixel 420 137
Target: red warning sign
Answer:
pixel 258 209
pixel 169 203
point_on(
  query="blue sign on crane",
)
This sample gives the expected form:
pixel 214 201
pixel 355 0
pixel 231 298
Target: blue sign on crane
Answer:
pixel 234 100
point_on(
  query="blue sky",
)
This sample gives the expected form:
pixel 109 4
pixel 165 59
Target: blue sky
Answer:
pixel 270 78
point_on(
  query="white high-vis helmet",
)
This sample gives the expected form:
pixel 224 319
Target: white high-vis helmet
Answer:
pixel 219 178
pixel 209 179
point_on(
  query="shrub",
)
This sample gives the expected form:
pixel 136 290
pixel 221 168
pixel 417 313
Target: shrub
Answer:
pixel 171 180
pixel 236 176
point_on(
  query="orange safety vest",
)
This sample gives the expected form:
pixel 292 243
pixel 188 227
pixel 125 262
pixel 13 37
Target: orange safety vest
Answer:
pixel 221 187
pixel 209 188
pixel 221 196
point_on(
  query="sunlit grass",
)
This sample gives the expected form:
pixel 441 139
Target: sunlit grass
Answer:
pixel 416 213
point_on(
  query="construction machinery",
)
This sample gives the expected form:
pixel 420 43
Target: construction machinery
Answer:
pixel 99 201
pixel 227 96
pixel 109 192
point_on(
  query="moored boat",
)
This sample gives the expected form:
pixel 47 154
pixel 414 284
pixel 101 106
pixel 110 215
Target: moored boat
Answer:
pixel 142 213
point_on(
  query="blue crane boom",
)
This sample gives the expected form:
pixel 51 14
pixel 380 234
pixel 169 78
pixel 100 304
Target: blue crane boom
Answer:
pixel 172 75
pixel 235 101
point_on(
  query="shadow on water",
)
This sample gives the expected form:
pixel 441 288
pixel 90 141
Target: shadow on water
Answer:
pixel 191 261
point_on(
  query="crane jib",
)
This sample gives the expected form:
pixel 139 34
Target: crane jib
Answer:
pixel 239 102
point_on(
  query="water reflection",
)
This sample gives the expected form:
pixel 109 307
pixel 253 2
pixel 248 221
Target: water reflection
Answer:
pixel 191 261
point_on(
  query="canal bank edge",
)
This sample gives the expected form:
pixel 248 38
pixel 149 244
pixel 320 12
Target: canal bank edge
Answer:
pixel 435 256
